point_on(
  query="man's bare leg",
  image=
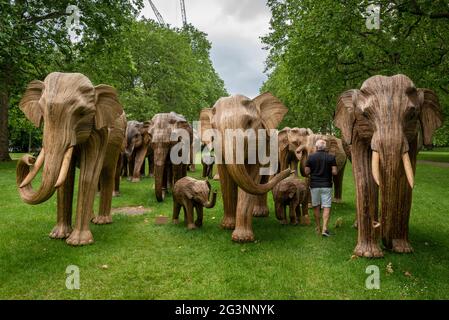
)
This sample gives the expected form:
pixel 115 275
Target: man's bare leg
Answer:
pixel 316 211
pixel 326 216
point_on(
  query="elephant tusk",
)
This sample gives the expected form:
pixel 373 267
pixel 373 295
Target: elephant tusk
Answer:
pixel 32 174
pixel 375 167
pixel 65 167
pixel 408 169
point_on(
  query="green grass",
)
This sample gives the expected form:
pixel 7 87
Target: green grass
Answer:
pixel 436 155
pixel 146 261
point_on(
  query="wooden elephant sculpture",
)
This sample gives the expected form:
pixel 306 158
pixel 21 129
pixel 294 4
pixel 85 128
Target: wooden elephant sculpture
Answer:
pixel 137 148
pixel 190 194
pixel 243 193
pixel 83 125
pixel 291 143
pixel 381 123
pixel 162 128
pixel 293 193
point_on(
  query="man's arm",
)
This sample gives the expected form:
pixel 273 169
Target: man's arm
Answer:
pixel 334 170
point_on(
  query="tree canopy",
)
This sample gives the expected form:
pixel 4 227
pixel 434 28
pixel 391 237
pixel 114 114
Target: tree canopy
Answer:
pixel 318 49
pixel 155 68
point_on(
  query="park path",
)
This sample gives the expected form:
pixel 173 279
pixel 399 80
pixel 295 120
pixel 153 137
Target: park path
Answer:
pixel 436 164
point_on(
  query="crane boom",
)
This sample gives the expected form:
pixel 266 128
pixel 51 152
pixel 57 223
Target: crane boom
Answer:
pixel 183 11
pixel 156 13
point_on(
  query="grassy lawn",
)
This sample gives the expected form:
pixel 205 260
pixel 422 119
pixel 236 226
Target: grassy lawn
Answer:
pixel 146 261
pixel 437 155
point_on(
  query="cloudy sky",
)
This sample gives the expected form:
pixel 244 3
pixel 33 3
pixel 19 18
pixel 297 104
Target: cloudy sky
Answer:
pixel 234 27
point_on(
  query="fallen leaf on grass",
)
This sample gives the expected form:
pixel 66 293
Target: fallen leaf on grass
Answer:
pixel 104 267
pixel 390 268
pixel 407 274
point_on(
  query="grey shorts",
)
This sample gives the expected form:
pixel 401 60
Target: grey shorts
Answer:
pixel 321 196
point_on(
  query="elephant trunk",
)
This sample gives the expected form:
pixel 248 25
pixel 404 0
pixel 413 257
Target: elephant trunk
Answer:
pixel 56 165
pixel 393 172
pixel 160 163
pixel 211 203
pixel 241 176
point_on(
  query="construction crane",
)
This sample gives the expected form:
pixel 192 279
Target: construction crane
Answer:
pixel 183 12
pixel 156 13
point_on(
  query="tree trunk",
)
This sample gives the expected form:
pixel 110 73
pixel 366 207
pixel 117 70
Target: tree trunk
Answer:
pixel 4 142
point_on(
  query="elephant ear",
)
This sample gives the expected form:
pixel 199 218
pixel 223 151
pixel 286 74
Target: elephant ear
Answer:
pixel 431 117
pixel 345 114
pixel 283 138
pixel 29 104
pixel 271 110
pixel 108 107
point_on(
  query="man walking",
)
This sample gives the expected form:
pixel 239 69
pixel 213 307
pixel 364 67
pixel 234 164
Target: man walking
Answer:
pixel 320 167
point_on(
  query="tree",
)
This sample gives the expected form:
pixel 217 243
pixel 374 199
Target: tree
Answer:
pixel 318 49
pixel 34 41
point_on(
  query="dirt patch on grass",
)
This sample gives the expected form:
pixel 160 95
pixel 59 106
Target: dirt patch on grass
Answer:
pixel 131 211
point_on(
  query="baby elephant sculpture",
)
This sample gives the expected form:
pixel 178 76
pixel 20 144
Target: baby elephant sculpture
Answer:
pixel 85 126
pixel 190 193
pixel 291 192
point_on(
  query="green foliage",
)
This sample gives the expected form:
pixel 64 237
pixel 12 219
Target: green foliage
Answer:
pixel 154 68
pixel 318 49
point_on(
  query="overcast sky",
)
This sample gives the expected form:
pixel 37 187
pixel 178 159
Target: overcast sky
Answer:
pixel 234 27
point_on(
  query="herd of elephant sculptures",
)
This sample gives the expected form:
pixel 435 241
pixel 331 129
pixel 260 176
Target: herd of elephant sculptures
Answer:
pixel 383 126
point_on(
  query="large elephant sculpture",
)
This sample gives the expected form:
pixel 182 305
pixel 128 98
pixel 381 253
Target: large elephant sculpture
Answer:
pixel 137 148
pixel 241 187
pixel 83 125
pixel 161 129
pixel 381 122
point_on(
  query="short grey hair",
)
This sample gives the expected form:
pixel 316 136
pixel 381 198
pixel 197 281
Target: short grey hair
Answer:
pixel 320 144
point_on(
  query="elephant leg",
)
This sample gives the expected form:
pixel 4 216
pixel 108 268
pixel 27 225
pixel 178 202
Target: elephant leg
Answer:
pixel 338 185
pixel 131 165
pixel 63 226
pixel 367 202
pixel 91 162
pixel 124 166
pixel 302 212
pixel 189 215
pixel 107 186
pixel 260 207
pixel 205 170
pixel 243 224
pixel 199 212
pixel 150 165
pixel 118 170
pixel 280 212
pixel 142 169
pixel 229 191
pixel 292 211
pixel 176 209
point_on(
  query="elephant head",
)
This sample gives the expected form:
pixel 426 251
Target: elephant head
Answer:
pixel 292 146
pixel 137 135
pixel 161 129
pixel 71 108
pixel 241 113
pixel 381 123
pixel 200 192
pixel 137 142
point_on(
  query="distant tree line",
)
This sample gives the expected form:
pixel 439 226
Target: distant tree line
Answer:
pixel 318 49
pixel 155 68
